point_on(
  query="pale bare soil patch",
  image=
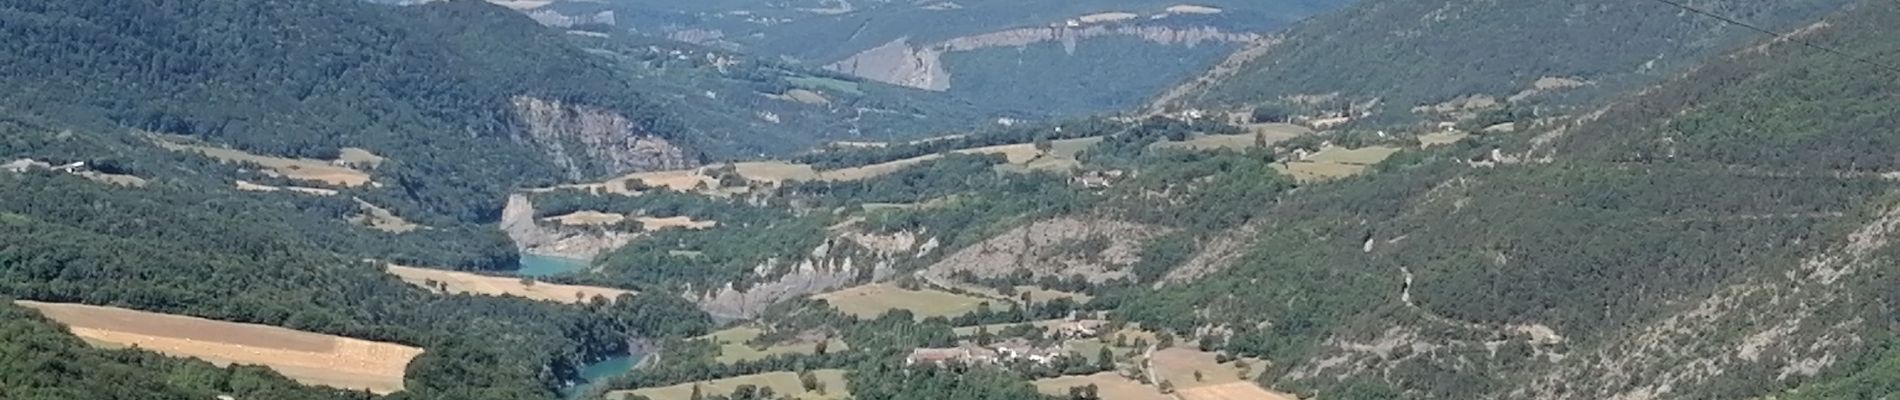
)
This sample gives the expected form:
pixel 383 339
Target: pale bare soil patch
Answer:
pixel 256 187
pixel 294 168
pixel 783 383
pixel 113 179
pixel 359 158
pixel 869 301
pixel 803 96
pixel 681 222
pixel 522 5
pixel 1441 138
pixel 1193 9
pixel 464 282
pixel 309 358
pixel 587 218
pixel 1097 18
pixel 1109 385
pixel 1231 391
pixel 379 218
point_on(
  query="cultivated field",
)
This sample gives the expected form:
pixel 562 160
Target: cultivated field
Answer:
pixel 733 348
pixel 309 358
pixel 1109 385
pixel 463 282
pixel 1230 391
pixel 587 218
pixel 294 168
pixel 381 219
pixel 1441 138
pixel 1178 365
pixel 871 300
pixel 1335 162
pixel 783 383
pixel 654 224
pixel 254 187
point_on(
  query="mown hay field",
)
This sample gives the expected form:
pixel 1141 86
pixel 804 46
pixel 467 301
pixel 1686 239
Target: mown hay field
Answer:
pixel 310 358
pixel 1230 391
pixel 869 301
pixel 1109 386
pixel 463 282
pixel 783 383
pixel 305 169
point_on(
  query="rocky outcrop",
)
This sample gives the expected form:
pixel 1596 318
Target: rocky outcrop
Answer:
pixel 517 220
pixel 1098 249
pixel 588 140
pixel 903 63
pixel 848 258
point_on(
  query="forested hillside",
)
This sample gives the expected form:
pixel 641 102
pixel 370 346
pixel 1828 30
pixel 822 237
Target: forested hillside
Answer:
pixel 1405 54
pixel 430 87
pixel 186 242
pixel 1067 58
pixel 1734 219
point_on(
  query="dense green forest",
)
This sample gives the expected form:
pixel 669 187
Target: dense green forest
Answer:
pixel 1385 50
pixel 429 87
pixel 186 243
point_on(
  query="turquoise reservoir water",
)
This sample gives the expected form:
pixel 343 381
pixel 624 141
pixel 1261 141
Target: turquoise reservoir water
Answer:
pixel 594 373
pixel 539 265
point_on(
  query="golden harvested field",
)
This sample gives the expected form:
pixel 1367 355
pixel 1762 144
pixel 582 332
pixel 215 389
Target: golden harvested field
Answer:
pixel 309 358
pixel 293 168
pixel 1231 391
pixel 1110 385
pixel 733 348
pixel 1178 365
pixel 587 218
pixel 654 224
pixel 463 282
pixel 871 300
pixel 254 187
pixel 1335 162
pixel 1441 138
pixel 783 383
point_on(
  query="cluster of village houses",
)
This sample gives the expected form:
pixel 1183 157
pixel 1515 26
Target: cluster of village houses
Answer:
pixel 1009 350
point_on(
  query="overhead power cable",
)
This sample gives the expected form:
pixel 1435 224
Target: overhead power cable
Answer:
pixel 1778 35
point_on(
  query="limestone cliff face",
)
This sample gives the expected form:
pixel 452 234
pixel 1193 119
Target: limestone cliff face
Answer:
pixel 517 220
pixel 587 140
pixel 848 258
pixel 921 66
